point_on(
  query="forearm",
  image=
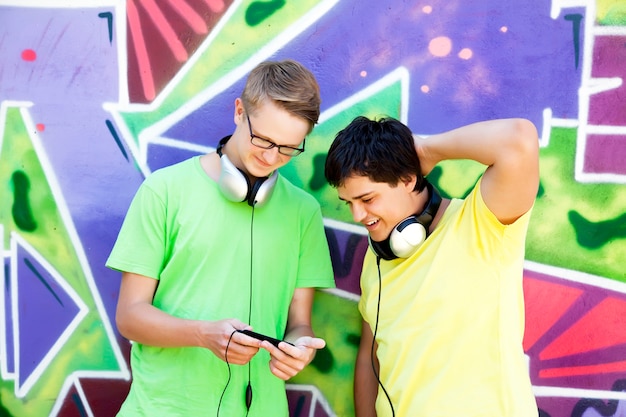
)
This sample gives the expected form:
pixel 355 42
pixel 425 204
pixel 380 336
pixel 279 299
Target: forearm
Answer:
pixel 365 387
pixel 299 316
pixel 365 382
pixel 146 324
pixel 509 148
pixel 489 142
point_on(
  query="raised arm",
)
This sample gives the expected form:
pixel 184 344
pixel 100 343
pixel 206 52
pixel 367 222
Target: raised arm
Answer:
pixel 509 148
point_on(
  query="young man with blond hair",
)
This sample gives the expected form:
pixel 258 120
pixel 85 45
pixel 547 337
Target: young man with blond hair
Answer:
pixel 222 243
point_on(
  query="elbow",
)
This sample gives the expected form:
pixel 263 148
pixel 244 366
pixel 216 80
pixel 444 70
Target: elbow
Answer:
pixel 523 153
pixel 525 137
pixel 122 324
pixel 520 147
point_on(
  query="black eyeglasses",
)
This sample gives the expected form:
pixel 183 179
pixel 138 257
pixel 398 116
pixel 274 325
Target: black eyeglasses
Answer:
pixel 268 144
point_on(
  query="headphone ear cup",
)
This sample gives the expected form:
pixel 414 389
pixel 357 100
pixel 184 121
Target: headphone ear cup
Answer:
pixel 232 182
pixel 410 233
pixel 381 249
pixel 235 185
pixel 406 237
pixel 262 190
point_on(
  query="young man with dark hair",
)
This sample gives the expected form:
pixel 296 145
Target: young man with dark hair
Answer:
pixel 442 300
pixel 219 244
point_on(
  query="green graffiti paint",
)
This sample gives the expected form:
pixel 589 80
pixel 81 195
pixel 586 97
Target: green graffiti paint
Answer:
pixel 109 18
pixel 21 210
pixel 318 180
pixel 261 10
pixel 3 411
pixel 576 20
pixel 118 141
pixel 435 177
pixel 353 339
pixel 593 235
pixel 323 361
pixel 541 191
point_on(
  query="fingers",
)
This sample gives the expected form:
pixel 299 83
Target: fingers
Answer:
pixel 240 349
pixel 312 342
pixel 239 352
pixel 286 365
pixel 288 360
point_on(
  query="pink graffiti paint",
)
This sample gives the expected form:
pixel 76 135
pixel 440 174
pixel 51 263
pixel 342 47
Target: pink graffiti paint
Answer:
pixel 143 59
pixel 216 6
pixel 29 55
pixel 165 28
pixel 193 18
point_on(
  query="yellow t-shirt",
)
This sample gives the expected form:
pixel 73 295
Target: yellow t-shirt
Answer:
pixel 451 319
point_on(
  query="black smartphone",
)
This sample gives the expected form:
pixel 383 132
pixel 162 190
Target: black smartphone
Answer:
pixel 260 336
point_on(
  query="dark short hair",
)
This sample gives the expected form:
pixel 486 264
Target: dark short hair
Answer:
pixel 382 150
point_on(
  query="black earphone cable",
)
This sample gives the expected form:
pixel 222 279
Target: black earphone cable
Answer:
pixel 249 387
pixel 372 356
pixel 229 374
pixel 248 397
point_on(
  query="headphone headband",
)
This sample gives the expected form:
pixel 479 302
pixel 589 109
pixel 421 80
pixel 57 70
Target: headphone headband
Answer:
pixel 221 144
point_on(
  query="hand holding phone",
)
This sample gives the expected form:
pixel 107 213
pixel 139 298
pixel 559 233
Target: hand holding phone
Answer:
pixel 260 336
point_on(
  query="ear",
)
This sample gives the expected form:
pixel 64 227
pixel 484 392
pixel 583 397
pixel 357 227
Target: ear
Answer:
pixel 239 111
pixel 409 183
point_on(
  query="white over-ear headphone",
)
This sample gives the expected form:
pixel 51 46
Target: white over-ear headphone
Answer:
pixel 235 185
pixel 410 233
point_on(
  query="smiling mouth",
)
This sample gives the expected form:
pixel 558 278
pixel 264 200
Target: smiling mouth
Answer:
pixel 372 223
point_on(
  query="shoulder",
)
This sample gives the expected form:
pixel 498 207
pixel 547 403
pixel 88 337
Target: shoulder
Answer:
pixel 175 169
pixel 165 183
pixel 473 209
pixel 451 208
pixel 171 173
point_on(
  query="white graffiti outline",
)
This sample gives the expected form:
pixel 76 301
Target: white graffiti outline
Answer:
pixel 123 372
pixel 152 134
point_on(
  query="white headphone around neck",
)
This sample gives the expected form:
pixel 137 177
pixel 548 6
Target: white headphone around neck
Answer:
pixel 410 233
pixel 235 185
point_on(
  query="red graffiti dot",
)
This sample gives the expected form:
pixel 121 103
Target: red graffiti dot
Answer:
pixel 29 55
pixel 40 127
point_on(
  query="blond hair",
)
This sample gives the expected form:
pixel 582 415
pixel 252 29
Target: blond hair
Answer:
pixel 288 84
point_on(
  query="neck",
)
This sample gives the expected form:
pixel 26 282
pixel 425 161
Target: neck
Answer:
pixel 420 201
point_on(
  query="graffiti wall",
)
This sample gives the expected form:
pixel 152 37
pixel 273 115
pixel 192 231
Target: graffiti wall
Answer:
pixel 97 94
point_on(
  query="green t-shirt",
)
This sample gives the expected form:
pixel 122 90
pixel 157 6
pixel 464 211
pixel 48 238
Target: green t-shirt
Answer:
pixel 181 230
pixel 451 319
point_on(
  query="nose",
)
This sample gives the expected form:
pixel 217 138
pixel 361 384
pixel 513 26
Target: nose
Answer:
pixel 271 156
pixel 358 212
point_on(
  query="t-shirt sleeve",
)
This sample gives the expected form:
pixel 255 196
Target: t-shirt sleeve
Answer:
pixel 489 232
pixel 140 245
pixel 315 267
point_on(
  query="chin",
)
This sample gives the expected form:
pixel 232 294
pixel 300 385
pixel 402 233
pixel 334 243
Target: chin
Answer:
pixel 255 171
pixel 379 235
pixel 262 174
